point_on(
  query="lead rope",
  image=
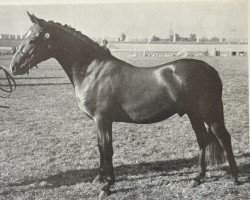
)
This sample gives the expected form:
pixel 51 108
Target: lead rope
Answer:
pixel 11 84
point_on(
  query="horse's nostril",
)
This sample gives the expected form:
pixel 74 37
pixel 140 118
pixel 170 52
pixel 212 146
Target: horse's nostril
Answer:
pixel 13 69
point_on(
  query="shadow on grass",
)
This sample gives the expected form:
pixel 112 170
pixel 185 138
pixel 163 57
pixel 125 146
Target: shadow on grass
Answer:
pixel 245 167
pixel 37 84
pixel 125 173
pixel 36 78
pixel 122 172
pixel 42 84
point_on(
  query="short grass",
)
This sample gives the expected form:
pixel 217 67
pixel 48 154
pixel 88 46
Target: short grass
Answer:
pixel 48 148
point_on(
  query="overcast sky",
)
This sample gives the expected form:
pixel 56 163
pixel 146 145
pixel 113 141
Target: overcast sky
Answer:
pixel 136 20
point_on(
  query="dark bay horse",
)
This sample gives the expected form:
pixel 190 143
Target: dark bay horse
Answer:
pixel 110 90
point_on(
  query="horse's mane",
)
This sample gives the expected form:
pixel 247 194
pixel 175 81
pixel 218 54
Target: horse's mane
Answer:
pixel 86 41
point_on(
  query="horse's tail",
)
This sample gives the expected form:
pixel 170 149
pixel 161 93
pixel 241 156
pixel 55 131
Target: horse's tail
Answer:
pixel 215 153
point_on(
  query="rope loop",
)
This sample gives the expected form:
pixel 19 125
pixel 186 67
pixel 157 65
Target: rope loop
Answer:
pixel 11 84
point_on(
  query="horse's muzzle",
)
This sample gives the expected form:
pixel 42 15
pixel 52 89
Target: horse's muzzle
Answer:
pixel 14 70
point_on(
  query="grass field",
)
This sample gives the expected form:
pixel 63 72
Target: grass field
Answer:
pixel 48 148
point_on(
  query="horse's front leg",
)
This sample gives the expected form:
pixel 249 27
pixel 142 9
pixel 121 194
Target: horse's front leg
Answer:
pixel 106 170
pixel 100 177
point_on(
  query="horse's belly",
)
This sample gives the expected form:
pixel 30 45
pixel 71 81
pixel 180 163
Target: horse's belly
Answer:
pixel 146 118
pixel 150 110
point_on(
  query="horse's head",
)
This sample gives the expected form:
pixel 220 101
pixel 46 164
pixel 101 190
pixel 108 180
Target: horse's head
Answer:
pixel 35 47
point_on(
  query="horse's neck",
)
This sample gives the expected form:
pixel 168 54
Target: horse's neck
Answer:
pixel 74 68
pixel 76 59
pixel 66 64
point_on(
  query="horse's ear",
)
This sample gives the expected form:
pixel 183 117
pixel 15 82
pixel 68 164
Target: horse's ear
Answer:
pixel 34 19
pixel 31 17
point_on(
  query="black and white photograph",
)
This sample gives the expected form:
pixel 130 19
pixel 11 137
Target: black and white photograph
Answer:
pixel 138 100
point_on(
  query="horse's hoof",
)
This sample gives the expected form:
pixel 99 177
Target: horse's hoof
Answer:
pixel 194 183
pixel 237 182
pixel 98 179
pixel 104 193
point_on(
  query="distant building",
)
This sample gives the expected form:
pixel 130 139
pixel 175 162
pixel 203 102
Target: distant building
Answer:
pixel 171 35
pixel 198 38
pixel 174 38
pixel 10 37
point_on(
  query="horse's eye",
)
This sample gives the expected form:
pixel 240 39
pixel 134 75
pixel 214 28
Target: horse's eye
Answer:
pixel 47 36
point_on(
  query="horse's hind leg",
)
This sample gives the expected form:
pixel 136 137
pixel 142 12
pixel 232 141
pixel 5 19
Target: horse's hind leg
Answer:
pixel 215 119
pixel 203 140
pixel 220 131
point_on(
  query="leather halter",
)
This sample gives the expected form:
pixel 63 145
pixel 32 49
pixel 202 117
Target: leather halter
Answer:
pixel 36 49
pixel 38 29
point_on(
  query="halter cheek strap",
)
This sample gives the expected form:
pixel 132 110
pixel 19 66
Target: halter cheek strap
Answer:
pixel 46 35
